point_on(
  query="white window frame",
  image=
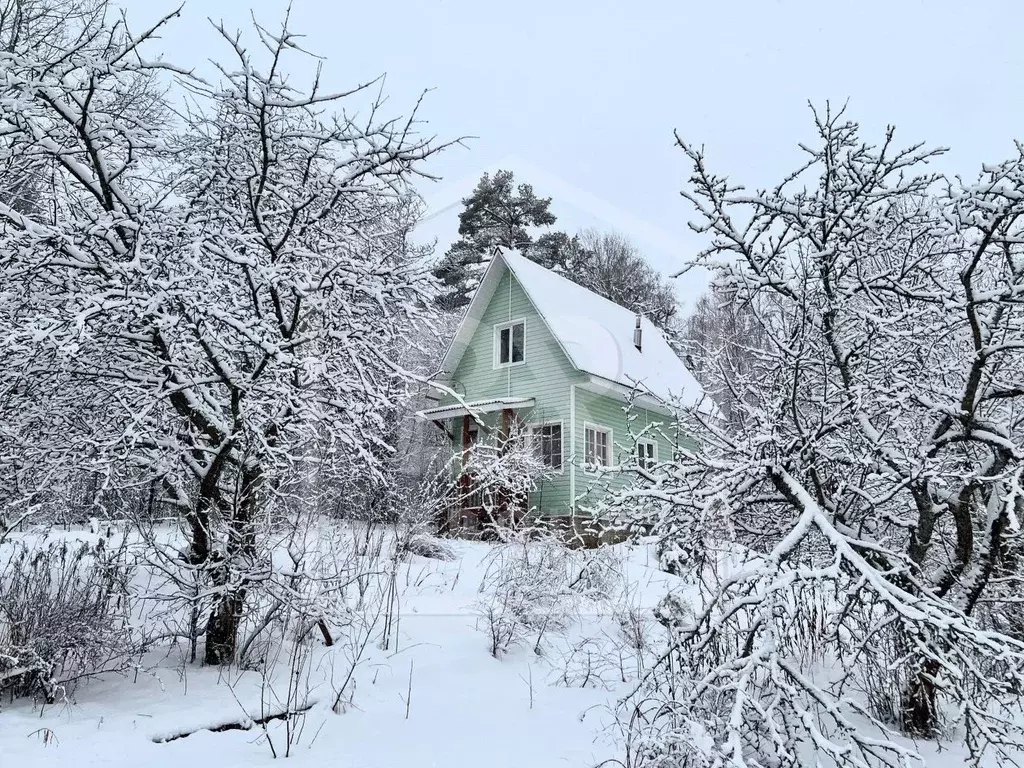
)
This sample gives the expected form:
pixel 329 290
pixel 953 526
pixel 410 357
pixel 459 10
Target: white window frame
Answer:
pixel 533 426
pixel 610 446
pixel 497 343
pixel 654 454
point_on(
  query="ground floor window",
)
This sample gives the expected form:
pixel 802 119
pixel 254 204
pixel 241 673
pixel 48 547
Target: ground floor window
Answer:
pixel 646 453
pixel 548 440
pixel 597 446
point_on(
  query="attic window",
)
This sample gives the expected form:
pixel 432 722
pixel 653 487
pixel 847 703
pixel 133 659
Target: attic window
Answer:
pixel 510 344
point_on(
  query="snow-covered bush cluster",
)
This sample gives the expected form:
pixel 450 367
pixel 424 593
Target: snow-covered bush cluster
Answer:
pixel 535 585
pixel 502 471
pixel 425 545
pixel 66 613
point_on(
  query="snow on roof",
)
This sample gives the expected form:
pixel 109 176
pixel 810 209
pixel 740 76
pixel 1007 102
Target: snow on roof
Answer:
pixel 597 335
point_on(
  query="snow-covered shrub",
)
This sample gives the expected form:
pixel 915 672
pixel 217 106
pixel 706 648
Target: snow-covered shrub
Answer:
pixel 425 545
pixel 535 584
pixel 633 628
pixel 688 745
pixel 526 591
pixel 679 556
pixel 591 662
pixel 324 577
pixel 883 677
pixel 65 614
pixel 598 572
pixel 502 471
pixel 673 612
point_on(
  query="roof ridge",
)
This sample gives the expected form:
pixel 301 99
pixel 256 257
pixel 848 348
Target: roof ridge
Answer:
pixel 518 254
pixel 591 330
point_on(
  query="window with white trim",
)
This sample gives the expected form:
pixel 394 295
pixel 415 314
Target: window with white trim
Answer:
pixel 548 442
pixel 597 446
pixel 646 453
pixel 510 343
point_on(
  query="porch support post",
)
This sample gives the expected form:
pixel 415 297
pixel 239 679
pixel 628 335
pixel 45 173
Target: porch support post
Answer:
pixel 506 418
pixel 464 489
pixel 465 437
pixel 504 510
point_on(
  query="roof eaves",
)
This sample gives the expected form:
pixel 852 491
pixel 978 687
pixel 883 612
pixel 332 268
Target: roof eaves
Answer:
pixel 644 397
pixel 479 406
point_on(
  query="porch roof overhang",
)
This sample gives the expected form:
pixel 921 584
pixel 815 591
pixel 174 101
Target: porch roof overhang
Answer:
pixel 477 407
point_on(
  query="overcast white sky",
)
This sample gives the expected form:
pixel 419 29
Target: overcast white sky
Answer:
pixel 581 98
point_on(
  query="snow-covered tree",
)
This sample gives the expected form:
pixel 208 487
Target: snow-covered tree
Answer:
pixel 716 342
pixel 611 265
pixel 210 302
pixel 499 214
pixel 856 543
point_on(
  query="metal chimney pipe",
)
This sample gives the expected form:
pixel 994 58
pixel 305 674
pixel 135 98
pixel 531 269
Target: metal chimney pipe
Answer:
pixel 638 334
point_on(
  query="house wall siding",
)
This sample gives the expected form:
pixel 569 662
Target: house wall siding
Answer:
pixel 609 412
pixel 546 376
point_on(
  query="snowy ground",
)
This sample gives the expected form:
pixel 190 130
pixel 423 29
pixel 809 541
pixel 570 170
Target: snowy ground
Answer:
pixel 437 699
pixel 466 707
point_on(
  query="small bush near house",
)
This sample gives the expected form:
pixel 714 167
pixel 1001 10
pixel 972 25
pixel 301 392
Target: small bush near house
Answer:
pixel 535 584
pixel 428 546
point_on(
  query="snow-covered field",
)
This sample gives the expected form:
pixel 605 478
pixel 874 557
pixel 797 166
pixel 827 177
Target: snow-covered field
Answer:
pixel 439 699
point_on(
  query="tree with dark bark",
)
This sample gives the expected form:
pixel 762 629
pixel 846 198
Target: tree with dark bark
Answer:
pixel 856 543
pixel 213 305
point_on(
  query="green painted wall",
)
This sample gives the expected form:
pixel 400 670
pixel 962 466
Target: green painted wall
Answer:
pixel 609 412
pixel 547 376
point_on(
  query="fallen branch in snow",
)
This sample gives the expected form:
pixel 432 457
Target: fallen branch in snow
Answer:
pixel 245 724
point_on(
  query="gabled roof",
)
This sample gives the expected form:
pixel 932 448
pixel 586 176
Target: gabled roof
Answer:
pixel 596 334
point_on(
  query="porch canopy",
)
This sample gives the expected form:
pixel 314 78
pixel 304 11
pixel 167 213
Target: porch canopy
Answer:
pixel 477 407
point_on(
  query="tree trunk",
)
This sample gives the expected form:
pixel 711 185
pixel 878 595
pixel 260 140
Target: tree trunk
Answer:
pixel 222 628
pixel 920 715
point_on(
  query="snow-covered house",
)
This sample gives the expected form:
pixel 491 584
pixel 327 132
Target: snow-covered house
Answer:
pixel 536 349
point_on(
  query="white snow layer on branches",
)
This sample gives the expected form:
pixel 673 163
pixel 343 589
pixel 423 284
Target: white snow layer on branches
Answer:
pixel 867 485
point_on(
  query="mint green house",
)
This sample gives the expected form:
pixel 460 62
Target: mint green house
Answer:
pixel 587 379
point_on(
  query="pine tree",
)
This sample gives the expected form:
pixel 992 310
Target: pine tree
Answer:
pixel 500 214
pixel 560 252
pixel 497 215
